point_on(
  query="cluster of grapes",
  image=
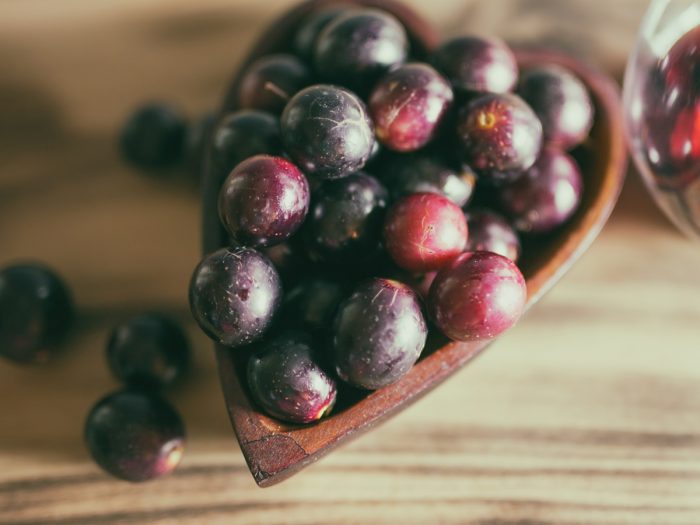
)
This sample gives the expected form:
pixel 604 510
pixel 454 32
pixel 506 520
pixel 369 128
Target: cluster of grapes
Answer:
pixel 360 195
pixel 133 433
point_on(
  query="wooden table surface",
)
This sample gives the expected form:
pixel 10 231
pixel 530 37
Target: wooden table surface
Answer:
pixel 588 412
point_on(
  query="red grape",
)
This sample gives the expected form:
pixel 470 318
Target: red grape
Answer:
pixel 478 296
pixel 501 136
pixel 561 102
pixel 408 104
pixel 424 231
pixel 546 195
pixel 475 64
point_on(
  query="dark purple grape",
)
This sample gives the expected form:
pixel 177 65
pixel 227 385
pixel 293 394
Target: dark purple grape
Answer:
pixel 264 200
pixel 36 312
pixel 286 381
pixel 546 195
pixel 135 435
pixel 311 305
pixel 234 293
pixel 477 296
pixel 500 135
pixel 561 102
pixel 424 231
pixel 153 137
pixel 327 132
pixel 475 64
pixel 489 232
pixel 408 104
pixel 358 46
pixel 269 82
pixel 311 27
pixel 378 334
pixel 345 218
pixel 149 350
pixel 196 143
pixel 243 134
pixel 425 173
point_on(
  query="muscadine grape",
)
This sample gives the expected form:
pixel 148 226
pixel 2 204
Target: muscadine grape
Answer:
pixel 264 200
pixel 408 104
pixel 501 136
pixel 234 294
pixel 477 296
pixel 378 334
pixel 424 232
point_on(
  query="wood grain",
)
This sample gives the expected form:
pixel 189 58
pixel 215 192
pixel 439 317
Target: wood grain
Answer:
pixel 586 413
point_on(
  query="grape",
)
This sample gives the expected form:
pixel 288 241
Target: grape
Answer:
pixel 149 350
pixel 477 296
pixel 311 305
pixel 426 173
pixel 378 334
pixel 670 124
pixel 327 132
pixel 546 195
pixel 475 64
pixel 424 231
pixel 344 222
pixel 264 200
pixel 358 46
pixel 561 102
pixel 243 134
pixel 289 259
pixel 269 82
pixel 407 106
pixel 234 293
pixel 311 27
pixel 286 381
pixel 501 136
pixel 36 312
pixel 134 435
pixel 489 232
pixel 154 137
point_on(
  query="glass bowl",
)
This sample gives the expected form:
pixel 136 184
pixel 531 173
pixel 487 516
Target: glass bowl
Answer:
pixel 661 99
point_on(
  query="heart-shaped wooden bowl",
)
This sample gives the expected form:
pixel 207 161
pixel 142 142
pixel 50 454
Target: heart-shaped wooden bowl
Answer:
pixel 275 450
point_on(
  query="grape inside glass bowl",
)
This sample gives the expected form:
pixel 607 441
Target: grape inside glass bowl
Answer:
pixel 662 109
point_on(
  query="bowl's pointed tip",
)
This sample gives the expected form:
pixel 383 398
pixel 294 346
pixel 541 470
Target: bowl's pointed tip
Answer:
pixel 273 458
